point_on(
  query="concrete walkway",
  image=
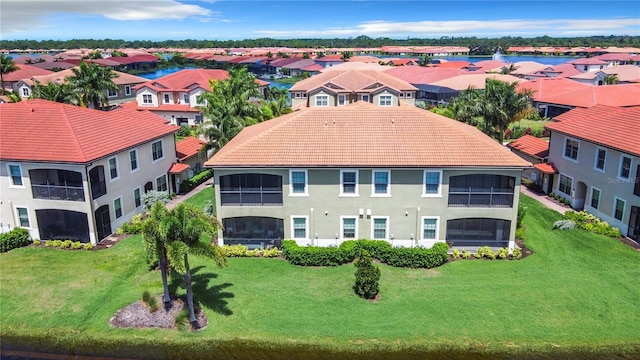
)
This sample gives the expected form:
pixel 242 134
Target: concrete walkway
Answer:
pixel 545 200
pixel 180 198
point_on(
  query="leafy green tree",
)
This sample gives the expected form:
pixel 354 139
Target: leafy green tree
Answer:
pixel 367 276
pixel 90 83
pixel 6 66
pixel 611 79
pixel 13 96
pixel 466 106
pixel 53 91
pixel 425 60
pixel 501 104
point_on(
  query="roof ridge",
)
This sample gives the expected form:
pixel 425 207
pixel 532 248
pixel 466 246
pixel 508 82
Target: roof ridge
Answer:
pixel 71 126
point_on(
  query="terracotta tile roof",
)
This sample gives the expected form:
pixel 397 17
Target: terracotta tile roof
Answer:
pixel 546 168
pixel 531 146
pixel 364 58
pixel 364 135
pixel 572 93
pixel 184 80
pixel 525 67
pixel 453 64
pixel 421 74
pixel 614 56
pixel 588 61
pixel 557 71
pixel 352 81
pixel 314 67
pixel 24 72
pixel 478 81
pixel 177 168
pixel 48 65
pixel 134 59
pixel 616 128
pixel 60 76
pixel 188 147
pixel 66 133
pixel 356 65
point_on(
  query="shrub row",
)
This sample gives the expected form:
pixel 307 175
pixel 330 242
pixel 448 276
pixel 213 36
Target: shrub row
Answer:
pixel 417 257
pixel 586 221
pixel 66 244
pixel 18 237
pixel 133 227
pixel 243 251
pixel 198 179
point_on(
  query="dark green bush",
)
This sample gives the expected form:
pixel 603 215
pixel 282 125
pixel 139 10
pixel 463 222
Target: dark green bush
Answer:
pixel 18 237
pixel 315 256
pixel 198 179
pixel 367 276
pixel 418 257
pixel 378 249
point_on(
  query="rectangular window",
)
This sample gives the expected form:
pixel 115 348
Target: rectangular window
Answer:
pixel 298 179
pixel 166 98
pixel 349 182
pixel 113 168
pixel 133 159
pixel 625 167
pixel 127 90
pixel 156 150
pixel 571 149
pixel 137 198
pixel 15 171
pixel 298 95
pixel 23 217
pixel 364 97
pixel 342 100
pixel 381 180
pixel 432 183
pixel 146 99
pixel 595 197
pixel 636 188
pixel 618 211
pixel 161 183
pixel 112 93
pixel 25 92
pixel 408 95
pixel 299 227
pixel 117 207
pixel 429 228
pixel 601 156
pixel 385 100
pixel 349 230
pixel 379 230
pixel 322 100
pixel 565 185
pixel 185 98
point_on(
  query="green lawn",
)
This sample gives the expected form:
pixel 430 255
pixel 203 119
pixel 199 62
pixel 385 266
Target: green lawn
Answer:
pixel 576 297
pixel 200 199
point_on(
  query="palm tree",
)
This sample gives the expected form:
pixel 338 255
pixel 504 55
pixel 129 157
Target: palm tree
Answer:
pixel 156 245
pixel 6 66
pixel 466 106
pixel 13 97
pixel 611 79
pixel 90 82
pixel 501 104
pixel 182 228
pixel 53 91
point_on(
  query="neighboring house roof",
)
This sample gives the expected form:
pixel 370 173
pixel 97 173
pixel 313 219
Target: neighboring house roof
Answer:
pixel 41 130
pixel 185 80
pixel 422 74
pixel 453 64
pixel 364 58
pixel 530 145
pixel 588 61
pixel 352 81
pixel 478 81
pixel 487 65
pixel 525 67
pixel 557 71
pixel 162 107
pixel 60 77
pixel 356 66
pixel 126 60
pixel 546 168
pixel 299 64
pixel 572 93
pixel 49 65
pixel 177 168
pixel 364 135
pixel 188 147
pixel 624 73
pixel 24 72
pixel 615 128
pixel 614 57
pixel 314 67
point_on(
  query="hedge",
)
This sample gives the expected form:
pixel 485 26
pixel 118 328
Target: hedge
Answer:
pixel 18 237
pixel 417 257
pixel 198 179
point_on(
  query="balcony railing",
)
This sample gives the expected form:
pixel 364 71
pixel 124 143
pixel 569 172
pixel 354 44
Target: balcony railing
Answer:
pixel 481 197
pixel 53 192
pixel 251 197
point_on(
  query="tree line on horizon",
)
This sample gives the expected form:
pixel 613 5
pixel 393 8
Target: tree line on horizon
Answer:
pixel 477 46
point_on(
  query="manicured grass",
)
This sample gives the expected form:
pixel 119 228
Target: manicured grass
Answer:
pixel 577 296
pixel 533 124
pixel 200 199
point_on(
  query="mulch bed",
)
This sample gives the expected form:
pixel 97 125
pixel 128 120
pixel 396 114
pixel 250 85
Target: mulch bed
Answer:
pixel 137 315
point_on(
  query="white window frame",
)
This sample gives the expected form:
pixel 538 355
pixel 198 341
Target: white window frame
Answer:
pixel 559 183
pixel 591 198
pixel 186 99
pixel 622 157
pixel 153 161
pixel 13 184
pixel 134 197
pixel 387 97
pixel 424 183
pixel 386 230
pixel 364 97
pixel 595 161
pixel 166 183
pixel 319 98
pixel 298 95
pixel 112 93
pixel 306 182
pixel 356 190
pixel 437 219
pixel 373 183
pixel 127 90
pixel 624 207
pixel 111 178
pixel 147 99
pixel 355 233
pixel 18 220
pixel 25 92
pixel 166 98
pixel 342 100
pixel 564 149
pixel 134 151
pixel 115 208
pixel 306 227
pixel 408 95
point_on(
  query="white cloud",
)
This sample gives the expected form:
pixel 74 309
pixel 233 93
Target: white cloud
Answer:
pixel 25 15
pixel 626 26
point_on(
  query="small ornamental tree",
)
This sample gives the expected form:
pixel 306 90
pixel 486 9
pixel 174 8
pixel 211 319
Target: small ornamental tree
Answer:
pixel 367 276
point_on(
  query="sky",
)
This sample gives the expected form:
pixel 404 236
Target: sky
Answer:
pixel 237 19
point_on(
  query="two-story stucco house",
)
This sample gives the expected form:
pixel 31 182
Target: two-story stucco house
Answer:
pixel 322 175
pixel 68 172
pixel 597 154
pixel 342 87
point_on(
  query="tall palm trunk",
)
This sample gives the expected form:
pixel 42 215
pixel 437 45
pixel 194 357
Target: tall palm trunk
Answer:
pixel 165 283
pixel 187 282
